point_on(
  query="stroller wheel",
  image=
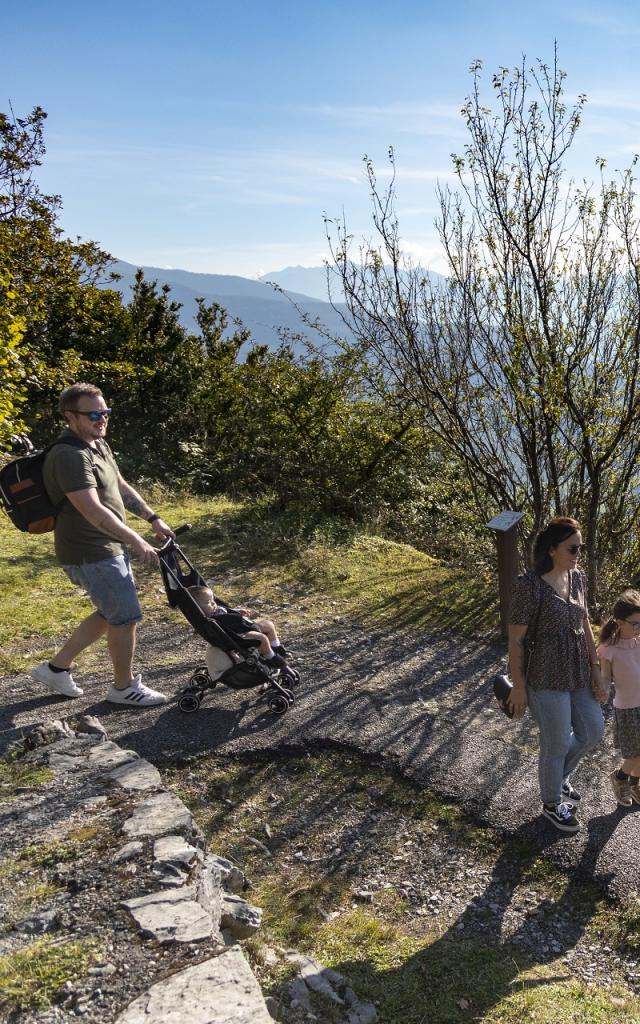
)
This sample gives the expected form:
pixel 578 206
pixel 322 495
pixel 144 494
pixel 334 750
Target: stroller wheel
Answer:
pixel 190 700
pixel 201 680
pixel 292 678
pixel 278 704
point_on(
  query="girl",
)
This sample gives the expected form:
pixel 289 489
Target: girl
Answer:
pixel 619 652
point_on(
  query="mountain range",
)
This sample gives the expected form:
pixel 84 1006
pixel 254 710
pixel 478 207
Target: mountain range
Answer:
pixel 262 309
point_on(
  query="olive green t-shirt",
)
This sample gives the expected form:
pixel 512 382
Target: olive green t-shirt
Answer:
pixel 67 469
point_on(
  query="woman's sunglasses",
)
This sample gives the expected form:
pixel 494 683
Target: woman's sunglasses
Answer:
pixel 577 549
pixel 95 415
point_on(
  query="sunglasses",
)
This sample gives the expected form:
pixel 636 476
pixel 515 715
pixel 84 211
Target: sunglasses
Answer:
pixel 94 416
pixel 634 625
pixel 577 549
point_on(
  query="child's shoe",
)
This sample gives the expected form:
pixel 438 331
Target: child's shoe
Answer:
pixel 621 790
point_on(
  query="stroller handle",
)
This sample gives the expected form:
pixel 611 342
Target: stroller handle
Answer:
pixel 170 542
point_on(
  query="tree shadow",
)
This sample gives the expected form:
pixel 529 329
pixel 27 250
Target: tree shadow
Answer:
pixel 472 967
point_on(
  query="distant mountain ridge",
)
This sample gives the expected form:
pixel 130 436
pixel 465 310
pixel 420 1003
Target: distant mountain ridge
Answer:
pixel 315 281
pixel 262 309
pixel 311 281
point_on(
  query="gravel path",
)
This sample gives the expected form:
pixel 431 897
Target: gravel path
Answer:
pixel 421 704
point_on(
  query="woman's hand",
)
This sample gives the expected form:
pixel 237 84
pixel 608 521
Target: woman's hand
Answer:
pixel 599 686
pixel 518 702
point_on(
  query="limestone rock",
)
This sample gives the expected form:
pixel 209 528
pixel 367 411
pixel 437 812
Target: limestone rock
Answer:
pixel 221 990
pixel 231 876
pixel 240 917
pixel 47 732
pixel 128 851
pixel 109 755
pixel 91 725
pixel 171 916
pixel 135 775
pixel 299 991
pixel 208 891
pixel 158 815
pixel 175 850
pixel 332 986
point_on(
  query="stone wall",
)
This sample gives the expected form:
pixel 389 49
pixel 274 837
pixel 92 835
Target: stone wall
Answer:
pixel 164 914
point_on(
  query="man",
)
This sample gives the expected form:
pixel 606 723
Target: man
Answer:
pixel 90 538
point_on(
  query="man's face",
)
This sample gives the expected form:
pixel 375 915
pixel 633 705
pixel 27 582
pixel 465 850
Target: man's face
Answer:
pixel 82 424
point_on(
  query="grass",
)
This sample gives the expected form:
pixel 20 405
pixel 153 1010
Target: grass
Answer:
pixel 622 928
pixel 333 821
pixel 31 977
pixel 24 875
pixel 254 552
pixel 15 776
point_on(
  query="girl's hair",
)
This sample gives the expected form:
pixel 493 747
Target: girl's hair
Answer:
pixel 624 606
pixel 554 533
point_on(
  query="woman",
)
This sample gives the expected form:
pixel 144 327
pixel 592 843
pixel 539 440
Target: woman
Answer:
pixel 561 682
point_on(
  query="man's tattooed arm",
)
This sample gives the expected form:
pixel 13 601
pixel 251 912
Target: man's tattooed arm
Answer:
pixel 133 502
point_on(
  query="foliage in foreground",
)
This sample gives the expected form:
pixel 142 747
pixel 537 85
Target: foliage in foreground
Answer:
pixel 31 977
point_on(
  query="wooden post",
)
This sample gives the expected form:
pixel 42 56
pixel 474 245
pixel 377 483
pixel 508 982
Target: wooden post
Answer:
pixel 506 535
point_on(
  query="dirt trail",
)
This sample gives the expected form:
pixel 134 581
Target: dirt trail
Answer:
pixel 420 703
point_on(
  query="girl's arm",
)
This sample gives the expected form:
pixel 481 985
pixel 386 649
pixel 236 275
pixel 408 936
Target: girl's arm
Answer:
pixel 607 679
pixel 518 700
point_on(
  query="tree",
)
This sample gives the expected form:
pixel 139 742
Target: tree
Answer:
pixel 20 149
pixel 525 361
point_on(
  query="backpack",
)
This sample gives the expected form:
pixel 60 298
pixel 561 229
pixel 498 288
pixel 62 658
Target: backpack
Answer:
pixel 22 492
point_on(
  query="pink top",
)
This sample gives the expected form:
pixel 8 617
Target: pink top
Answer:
pixel 625 669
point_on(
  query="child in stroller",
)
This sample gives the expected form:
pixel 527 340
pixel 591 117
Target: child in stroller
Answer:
pixel 238 621
pixel 231 659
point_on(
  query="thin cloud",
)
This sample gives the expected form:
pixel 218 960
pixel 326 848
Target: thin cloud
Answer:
pixel 602 22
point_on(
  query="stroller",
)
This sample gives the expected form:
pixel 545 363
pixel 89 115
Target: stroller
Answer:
pixel 230 659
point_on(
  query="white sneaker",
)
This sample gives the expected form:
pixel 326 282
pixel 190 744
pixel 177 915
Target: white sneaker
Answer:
pixel 137 695
pixel 58 682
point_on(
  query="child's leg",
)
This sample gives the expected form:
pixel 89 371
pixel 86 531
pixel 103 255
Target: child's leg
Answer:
pixel 265 646
pixel 631 766
pixel 269 630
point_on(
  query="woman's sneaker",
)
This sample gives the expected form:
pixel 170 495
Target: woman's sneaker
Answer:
pixel 570 795
pixel 561 816
pixel 621 790
pixel 634 789
pixel 137 695
pixel 58 682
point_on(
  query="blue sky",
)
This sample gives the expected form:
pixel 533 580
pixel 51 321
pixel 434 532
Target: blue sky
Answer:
pixel 213 137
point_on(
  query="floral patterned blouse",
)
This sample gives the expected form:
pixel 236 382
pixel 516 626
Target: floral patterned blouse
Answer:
pixel 560 657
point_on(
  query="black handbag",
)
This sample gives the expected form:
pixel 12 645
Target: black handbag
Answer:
pixel 501 684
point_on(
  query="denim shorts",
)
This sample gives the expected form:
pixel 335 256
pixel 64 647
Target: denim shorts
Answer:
pixel 109 584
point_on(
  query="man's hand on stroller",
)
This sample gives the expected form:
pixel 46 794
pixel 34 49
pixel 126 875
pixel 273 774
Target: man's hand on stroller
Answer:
pixel 145 552
pixel 161 529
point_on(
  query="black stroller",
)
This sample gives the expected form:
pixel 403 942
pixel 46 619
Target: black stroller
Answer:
pixel 230 659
